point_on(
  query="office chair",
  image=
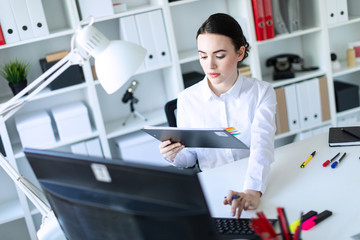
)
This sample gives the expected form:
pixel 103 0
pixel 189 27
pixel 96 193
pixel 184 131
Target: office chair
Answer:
pixel 170 112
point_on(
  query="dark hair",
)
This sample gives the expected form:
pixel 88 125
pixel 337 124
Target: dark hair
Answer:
pixel 224 24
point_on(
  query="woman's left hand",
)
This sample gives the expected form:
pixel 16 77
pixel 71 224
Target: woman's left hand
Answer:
pixel 249 200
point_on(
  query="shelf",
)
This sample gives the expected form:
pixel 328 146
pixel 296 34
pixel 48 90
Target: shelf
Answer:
pixel 49 93
pixel 55 34
pixel 129 11
pixel 10 211
pixel 289 35
pixel 181 2
pixel 287 134
pixel 46 92
pixel 18 149
pixel 299 76
pixel 188 56
pixel 348 112
pixel 352 19
pixel 116 129
pixel 345 69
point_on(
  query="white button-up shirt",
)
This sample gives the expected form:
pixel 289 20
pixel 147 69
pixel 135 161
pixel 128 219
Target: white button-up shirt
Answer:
pixel 249 106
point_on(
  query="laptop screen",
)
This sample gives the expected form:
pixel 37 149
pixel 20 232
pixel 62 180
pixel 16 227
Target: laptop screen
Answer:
pixel 94 198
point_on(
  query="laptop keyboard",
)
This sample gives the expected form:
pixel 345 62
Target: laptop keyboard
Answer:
pixel 236 228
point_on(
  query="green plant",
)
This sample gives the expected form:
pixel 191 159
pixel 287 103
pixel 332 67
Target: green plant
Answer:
pixel 15 71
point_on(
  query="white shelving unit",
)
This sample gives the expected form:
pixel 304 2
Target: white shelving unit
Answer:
pixel 162 83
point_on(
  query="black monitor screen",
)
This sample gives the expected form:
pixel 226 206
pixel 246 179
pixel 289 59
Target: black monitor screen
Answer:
pixel 94 198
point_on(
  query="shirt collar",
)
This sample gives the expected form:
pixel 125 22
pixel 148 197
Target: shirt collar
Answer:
pixel 234 91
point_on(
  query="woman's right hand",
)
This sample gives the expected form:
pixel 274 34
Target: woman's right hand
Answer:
pixel 170 150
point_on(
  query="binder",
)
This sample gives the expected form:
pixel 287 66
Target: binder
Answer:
pixel 331 11
pixel 292 107
pixel 146 39
pixel 304 104
pixel 269 22
pixel 284 9
pixel 2 39
pixel 22 19
pixel 129 32
pixel 8 24
pixel 281 117
pixel 313 91
pixel 37 17
pixel 294 16
pixel 342 10
pixel 324 99
pixel 279 24
pixel 259 19
pixel 159 33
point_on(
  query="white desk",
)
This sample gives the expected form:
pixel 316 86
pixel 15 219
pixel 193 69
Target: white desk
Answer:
pixel 299 189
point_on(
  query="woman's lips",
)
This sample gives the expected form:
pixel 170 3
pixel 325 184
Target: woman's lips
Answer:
pixel 213 75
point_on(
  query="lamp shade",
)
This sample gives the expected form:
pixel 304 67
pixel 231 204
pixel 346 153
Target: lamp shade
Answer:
pixel 115 61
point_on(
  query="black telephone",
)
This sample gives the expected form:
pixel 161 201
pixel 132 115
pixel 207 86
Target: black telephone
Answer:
pixel 283 65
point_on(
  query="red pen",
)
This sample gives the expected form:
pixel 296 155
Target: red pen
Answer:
pixel 311 222
pixel 329 161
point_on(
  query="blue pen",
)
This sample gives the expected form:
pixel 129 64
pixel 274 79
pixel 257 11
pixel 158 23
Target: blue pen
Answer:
pixel 336 163
pixel 235 196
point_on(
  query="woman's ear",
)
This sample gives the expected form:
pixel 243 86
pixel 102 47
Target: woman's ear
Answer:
pixel 241 53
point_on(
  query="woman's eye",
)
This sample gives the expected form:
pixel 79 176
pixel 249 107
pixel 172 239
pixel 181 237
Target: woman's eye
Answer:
pixel 220 56
pixel 203 57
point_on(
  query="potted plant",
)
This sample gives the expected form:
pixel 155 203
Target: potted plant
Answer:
pixel 15 72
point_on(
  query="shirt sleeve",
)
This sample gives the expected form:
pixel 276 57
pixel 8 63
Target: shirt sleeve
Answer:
pixel 262 142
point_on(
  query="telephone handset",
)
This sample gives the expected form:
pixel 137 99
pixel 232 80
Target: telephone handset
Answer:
pixel 283 65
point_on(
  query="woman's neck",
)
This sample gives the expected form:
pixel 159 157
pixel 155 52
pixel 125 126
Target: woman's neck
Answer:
pixel 225 86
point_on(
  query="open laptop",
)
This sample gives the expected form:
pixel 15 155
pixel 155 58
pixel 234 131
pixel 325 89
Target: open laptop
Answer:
pixel 95 198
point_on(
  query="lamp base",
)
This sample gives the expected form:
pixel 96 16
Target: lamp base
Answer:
pixel 50 229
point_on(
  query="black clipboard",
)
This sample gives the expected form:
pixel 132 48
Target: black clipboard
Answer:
pixel 197 137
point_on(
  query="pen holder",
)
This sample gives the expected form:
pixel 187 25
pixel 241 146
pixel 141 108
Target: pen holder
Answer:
pixel 266 231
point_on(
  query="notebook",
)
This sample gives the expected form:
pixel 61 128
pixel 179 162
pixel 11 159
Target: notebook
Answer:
pixel 197 137
pixel 344 136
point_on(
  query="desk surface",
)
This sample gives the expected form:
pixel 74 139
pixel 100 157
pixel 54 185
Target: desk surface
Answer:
pixel 299 189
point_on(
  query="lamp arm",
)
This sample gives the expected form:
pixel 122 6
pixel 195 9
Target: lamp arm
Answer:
pixel 11 106
pixel 34 194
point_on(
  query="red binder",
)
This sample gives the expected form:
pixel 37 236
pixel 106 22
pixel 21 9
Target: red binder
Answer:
pixel 269 23
pixel 259 19
pixel 2 39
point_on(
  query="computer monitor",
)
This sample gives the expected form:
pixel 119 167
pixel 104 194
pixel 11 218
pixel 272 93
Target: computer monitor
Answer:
pixel 95 198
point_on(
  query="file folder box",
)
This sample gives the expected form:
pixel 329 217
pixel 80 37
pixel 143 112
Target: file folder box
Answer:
pixel 72 120
pixel 346 95
pixel 35 129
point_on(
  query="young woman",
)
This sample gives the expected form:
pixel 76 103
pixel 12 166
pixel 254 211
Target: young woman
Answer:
pixel 224 99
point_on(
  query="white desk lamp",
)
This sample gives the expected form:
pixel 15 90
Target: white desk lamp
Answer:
pixel 115 62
